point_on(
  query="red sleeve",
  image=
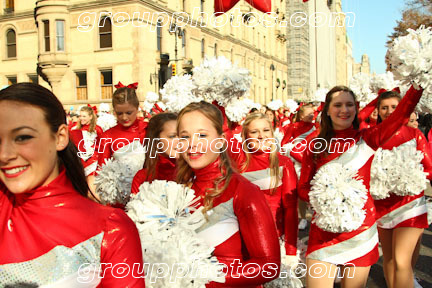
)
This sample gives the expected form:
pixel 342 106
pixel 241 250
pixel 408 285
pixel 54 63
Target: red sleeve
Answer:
pixel 379 134
pixel 288 130
pixel 289 200
pixel 423 146
pixel 6 205
pixel 121 244
pixel 104 148
pixel 367 110
pixel 139 178
pixel 307 172
pixel 259 234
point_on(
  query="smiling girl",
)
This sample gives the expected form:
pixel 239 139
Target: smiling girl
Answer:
pixel 240 224
pixel 43 203
pixel 401 219
pixel 261 163
pixel 358 246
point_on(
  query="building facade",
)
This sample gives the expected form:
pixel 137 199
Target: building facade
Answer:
pixel 80 49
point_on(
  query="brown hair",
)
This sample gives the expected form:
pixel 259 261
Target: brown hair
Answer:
pixel 125 95
pixel 154 128
pixel 326 125
pixel 274 159
pixel 301 111
pixel 275 119
pixel 91 113
pixel 185 173
pixel 384 96
pixel 55 116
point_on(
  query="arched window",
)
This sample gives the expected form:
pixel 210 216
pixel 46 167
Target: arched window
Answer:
pixel 105 33
pixel 202 48
pixel 11 43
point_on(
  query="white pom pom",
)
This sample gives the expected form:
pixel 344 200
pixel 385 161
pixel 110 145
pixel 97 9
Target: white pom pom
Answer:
pixel 383 81
pixel 320 95
pixel 104 107
pixel 177 93
pixel 360 85
pixel 410 58
pixel 152 97
pixel 162 212
pixel 337 198
pixel 275 104
pixel 106 121
pixel 388 172
pixel 114 181
pixel 217 79
pixel 291 105
pixel 237 109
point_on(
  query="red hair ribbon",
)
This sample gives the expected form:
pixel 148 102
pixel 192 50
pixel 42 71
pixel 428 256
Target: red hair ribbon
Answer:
pixel 94 108
pixel 132 86
pixel 396 89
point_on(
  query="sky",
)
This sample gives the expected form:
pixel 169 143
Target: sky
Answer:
pixel 374 21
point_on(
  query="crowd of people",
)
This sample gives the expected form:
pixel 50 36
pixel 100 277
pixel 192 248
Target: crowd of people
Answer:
pixel 255 190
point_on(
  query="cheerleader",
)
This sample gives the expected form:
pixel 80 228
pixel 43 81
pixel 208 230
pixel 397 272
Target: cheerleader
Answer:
pixel 261 163
pixel 300 129
pixel 161 154
pixel 413 121
pixel 49 230
pixel 273 119
pixel 401 219
pixel 240 224
pixel 129 132
pixel 337 240
pixel 91 134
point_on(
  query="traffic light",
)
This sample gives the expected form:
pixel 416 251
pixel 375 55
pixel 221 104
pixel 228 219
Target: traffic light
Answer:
pixel 174 69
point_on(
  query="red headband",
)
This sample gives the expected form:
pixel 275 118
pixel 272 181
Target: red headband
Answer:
pixel 396 89
pixel 132 86
pixel 94 108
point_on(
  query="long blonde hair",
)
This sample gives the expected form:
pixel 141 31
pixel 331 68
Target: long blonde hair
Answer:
pixel 184 171
pixel 92 114
pixel 274 159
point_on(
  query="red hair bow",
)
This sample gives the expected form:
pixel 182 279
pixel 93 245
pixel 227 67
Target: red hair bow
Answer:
pixel 396 89
pixel 94 108
pixel 132 86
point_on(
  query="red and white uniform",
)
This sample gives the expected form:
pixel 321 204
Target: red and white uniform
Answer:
pixel 48 233
pixel 358 247
pixel 282 200
pixel 88 147
pixel 165 170
pixel 120 137
pixel 405 211
pixel 241 228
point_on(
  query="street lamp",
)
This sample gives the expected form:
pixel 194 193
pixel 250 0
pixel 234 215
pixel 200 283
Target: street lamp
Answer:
pixel 178 32
pixel 272 68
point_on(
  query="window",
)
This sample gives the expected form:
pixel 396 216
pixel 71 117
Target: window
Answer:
pixel 202 48
pixel 215 50
pixel 60 31
pixel 10 6
pixel 159 35
pixel 106 84
pixel 46 35
pixel 33 78
pixel 105 34
pixel 81 85
pixel 202 5
pixel 11 80
pixel 11 43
